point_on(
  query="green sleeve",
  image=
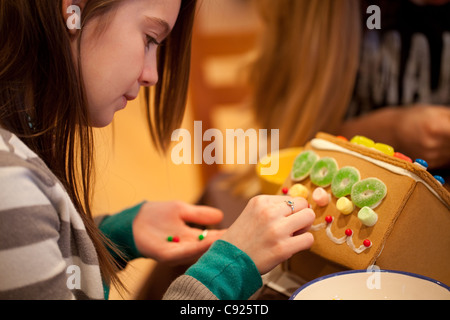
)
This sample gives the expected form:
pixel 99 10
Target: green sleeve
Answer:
pixel 227 272
pixel 119 229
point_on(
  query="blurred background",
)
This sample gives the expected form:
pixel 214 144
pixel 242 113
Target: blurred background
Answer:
pixel 130 170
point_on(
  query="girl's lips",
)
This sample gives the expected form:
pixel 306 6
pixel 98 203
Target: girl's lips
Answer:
pixel 129 98
pixel 125 99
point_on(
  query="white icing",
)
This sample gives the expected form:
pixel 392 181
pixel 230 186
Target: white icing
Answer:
pixel 352 245
pixel 321 144
pixel 319 226
pixel 333 238
pixel 344 239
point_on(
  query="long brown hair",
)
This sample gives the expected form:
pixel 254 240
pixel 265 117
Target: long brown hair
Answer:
pixel 42 96
pixel 304 76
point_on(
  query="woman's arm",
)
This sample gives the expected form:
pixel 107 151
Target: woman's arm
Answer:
pixel 418 131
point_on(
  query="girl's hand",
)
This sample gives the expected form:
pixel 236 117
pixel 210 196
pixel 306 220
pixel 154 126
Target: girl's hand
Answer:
pixel 270 232
pixel 156 221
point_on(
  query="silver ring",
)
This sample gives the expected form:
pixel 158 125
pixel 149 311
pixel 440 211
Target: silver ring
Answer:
pixel 290 204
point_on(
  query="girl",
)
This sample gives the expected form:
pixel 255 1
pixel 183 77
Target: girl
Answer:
pixel 56 83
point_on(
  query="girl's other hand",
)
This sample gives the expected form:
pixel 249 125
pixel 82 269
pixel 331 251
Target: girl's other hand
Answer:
pixel 157 221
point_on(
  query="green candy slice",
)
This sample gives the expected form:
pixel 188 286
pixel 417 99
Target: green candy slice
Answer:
pixel 344 180
pixel 303 164
pixel 323 171
pixel 368 193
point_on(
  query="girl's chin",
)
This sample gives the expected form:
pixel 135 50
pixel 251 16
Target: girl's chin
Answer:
pixel 101 122
pixel 104 119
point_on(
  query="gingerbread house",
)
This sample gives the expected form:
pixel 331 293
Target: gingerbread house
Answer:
pixel 373 207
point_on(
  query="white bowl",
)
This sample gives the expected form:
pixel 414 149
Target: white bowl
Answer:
pixel 373 285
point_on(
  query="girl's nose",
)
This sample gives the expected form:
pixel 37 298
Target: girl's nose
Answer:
pixel 149 75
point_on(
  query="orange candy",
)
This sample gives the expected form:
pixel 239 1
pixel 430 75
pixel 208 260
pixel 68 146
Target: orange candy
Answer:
pixel 402 157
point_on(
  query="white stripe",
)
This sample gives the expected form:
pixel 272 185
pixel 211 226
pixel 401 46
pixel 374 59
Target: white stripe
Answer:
pixel 3 146
pixel 19 190
pixel 31 264
pixel 63 204
pixel 21 148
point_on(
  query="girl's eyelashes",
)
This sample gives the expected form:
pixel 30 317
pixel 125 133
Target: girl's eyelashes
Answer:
pixel 151 40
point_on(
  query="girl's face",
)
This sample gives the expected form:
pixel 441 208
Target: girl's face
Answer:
pixel 121 58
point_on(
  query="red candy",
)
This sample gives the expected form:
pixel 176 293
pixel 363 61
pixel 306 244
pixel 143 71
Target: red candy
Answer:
pixel 329 219
pixel 176 239
pixel 402 157
pixel 348 232
pixel 367 243
pixel 285 190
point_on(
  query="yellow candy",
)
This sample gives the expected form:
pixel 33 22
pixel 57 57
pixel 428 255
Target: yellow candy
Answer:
pixel 345 206
pixel 363 141
pixel 385 149
pixel 298 190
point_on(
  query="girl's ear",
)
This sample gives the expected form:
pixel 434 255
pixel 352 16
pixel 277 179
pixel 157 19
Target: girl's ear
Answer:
pixel 71 11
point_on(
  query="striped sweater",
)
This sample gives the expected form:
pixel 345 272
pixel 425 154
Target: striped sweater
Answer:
pixel 46 253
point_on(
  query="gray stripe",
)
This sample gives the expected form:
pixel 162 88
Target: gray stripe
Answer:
pixel 8 159
pixel 40 223
pixel 77 243
pixel 28 225
pixel 188 288
pixel 80 295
